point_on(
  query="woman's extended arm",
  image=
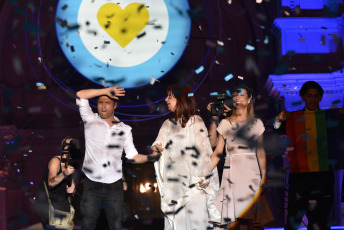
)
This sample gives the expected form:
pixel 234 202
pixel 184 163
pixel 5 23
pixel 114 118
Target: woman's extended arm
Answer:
pixel 261 159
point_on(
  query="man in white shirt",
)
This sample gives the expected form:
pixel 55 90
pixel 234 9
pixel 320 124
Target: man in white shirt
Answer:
pixel 105 139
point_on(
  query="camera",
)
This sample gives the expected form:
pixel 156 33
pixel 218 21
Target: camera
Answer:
pixel 222 99
pixel 73 152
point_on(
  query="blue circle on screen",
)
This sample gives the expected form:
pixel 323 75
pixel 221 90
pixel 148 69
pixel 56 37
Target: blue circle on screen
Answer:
pixel 179 25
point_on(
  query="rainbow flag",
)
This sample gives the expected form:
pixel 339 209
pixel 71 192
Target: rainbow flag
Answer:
pixel 316 141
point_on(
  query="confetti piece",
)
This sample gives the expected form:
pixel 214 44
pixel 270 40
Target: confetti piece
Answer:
pixel 266 40
pixel 249 47
pixel 17 65
pixel 229 39
pixel 200 27
pixel 335 37
pixel 106 42
pixel 251 65
pixel 214 94
pixel 141 35
pixel 241 78
pixel 228 77
pixel 199 70
pixel 296 103
pixel 287 13
pixel 39 59
pixel 190 95
pixel 210 43
pixel 302 39
pixel 35 109
pixel 104 83
pixel 228 93
pixel 113 146
pixel 153 80
pixel 336 102
pixel 259 1
pixel 136 216
pixel 40 86
pixel 138 97
pixel 290 149
pixel 220 43
pixel 74 27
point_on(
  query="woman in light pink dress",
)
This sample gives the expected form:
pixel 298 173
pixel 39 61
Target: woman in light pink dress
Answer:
pixel 244 171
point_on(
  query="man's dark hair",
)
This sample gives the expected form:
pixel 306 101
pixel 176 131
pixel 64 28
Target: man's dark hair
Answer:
pixel 114 100
pixel 310 85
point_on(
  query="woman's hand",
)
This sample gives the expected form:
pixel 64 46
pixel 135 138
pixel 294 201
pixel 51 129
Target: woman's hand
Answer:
pixel 157 148
pixel 227 110
pixel 203 184
pixel 69 170
pixel 125 185
pixel 209 106
pixel 70 189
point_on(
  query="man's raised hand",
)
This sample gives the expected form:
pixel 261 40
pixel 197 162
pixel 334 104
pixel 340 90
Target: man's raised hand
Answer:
pixel 115 92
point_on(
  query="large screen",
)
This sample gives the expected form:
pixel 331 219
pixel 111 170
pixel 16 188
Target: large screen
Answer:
pixel 123 42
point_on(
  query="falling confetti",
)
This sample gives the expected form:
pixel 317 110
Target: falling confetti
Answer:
pixel 220 43
pixel 104 83
pixel 199 70
pixel 153 80
pixel 249 47
pixel 40 86
pixel 228 77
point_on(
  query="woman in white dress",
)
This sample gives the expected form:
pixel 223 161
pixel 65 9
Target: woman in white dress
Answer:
pixel 244 171
pixel 184 164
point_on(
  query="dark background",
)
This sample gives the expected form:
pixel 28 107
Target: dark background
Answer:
pixel 33 122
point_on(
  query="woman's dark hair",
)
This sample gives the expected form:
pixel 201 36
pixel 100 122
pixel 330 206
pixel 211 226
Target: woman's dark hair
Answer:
pixel 310 85
pixel 185 106
pixel 63 142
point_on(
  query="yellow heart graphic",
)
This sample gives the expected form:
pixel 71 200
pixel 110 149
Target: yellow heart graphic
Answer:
pixel 123 25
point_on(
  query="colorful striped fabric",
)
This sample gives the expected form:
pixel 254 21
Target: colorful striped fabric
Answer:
pixel 315 141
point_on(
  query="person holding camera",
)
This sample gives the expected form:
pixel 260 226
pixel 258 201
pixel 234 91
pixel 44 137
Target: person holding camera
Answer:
pixel 57 178
pixel 245 165
pixel 105 139
pixel 218 111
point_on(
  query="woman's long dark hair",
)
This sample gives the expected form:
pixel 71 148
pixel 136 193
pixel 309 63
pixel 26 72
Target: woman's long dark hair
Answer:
pixel 186 105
